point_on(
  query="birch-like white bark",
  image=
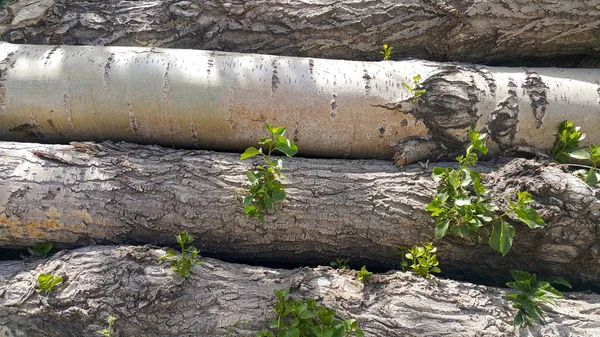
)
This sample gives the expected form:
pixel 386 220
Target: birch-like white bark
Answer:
pixel 333 108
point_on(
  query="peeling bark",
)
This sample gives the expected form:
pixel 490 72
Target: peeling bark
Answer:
pixel 150 300
pixel 333 108
pixel 559 33
pixel 361 209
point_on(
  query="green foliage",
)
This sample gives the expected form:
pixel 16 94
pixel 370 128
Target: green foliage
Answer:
pixel 413 89
pixel 462 204
pixel 304 318
pixel 47 282
pixel 424 259
pixel 386 52
pixel 108 332
pixel 341 264
pixel 363 274
pixel 566 147
pixel 189 256
pixel 40 249
pixel 266 188
pixel 530 293
pixel 567 141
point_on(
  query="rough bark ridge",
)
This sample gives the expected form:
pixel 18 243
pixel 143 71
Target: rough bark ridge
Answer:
pixel 149 300
pixel 465 30
pixel 361 209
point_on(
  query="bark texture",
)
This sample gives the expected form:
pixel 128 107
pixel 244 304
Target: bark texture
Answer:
pixel 84 194
pixel 465 30
pixel 150 300
pixel 333 108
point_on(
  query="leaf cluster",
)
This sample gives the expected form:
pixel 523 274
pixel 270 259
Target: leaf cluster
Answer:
pixel 341 264
pixel 462 204
pixel 40 249
pixel 386 52
pixel 48 282
pixel 265 180
pixel 363 274
pixel 189 256
pixel 566 148
pixel 305 318
pixel 108 331
pixel 424 259
pixel 530 293
pixel 413 89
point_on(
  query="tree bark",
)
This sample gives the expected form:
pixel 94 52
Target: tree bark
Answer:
pixel 333 108
pixel 149 300
pixel 84 194
pixel 464 30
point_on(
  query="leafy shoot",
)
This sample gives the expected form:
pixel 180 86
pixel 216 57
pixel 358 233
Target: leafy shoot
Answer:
pixel 48 282
pixel 108 332
pixel 40 249
pixel 189 256
pixel 462 204
pixel 566 148
pixel 363 274
pixel 305 318
pixel 531 292
pixel 414 89
pixel 424 260
pixel 386 52
pixel 341 264
pixel 266 188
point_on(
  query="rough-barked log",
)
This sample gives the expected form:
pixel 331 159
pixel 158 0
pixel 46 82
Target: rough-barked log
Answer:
pixel 361 209
pixel 333 108
pixel 464 30
pixel 150 300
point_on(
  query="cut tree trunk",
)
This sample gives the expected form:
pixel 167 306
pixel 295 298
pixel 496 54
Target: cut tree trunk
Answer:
pixel 150 300
pixel 333 108
pixel 553 32
pixel 83 194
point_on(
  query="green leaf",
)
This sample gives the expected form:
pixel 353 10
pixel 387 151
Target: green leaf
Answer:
pixel 286 146
pixel 40 249
pixel 250 152
pixel 441 228
pixel 582 154
pixel 530 217
pixel 462 200
pixel 558 280
pixel 275 131
pixel 419 92
pixel 252 177
pixel 520 275
pixel 250 210
pixel 293 332
pixel 592 177
pixel 55 281
pixel 478 141
pixel 278 195
pixel 168 254
pixel 339 332
pixel 502 237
